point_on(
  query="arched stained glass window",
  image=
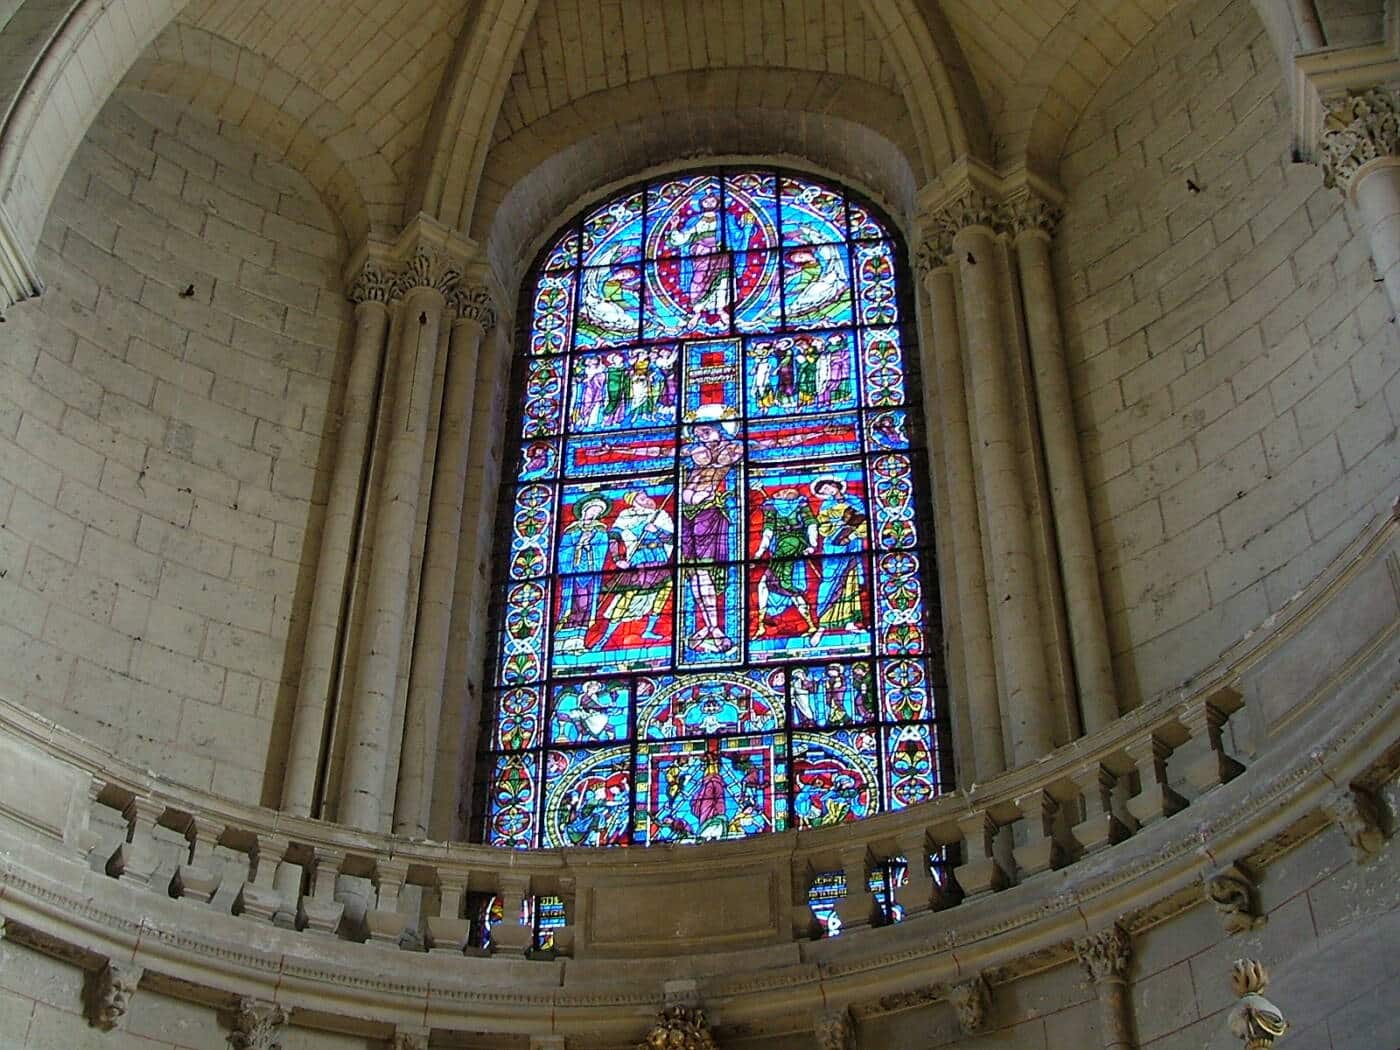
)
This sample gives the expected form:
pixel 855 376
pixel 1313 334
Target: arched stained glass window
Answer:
pixel 715 613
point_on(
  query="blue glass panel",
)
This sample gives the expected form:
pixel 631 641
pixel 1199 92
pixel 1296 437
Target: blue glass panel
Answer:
pixel 564 254
pixel 609 306
pixel 900 604
pixel 548 916
pixel 816 287
pixel 784 621
pixel 531 531
pixel 619 618
pixel 612 233
pixel 519 712
pixel 710 703
pixel 864 226
pixel 886 431
pixel 812 214
pixel 757 292
pixel 513 801
pixel 817 510
pixel 588 797
pixel 711 522
pixel 683 217
pixel 522 641
pixel 630 452
pixel 712 616
pixel 539 460
pixel 803 438
pixel 706 790
pixel 800 374
pixel 544 397
pixel 875 294
pixel 911 770
pixel 687 297
pixel 751 211
pixel 892 476
pixel 713 378
pixel 622 389
pixel 827 891
pixel 835 777
pixel 832 694
pixel 593 711
pixel 904 691
pixel 882 363
pixel 552 324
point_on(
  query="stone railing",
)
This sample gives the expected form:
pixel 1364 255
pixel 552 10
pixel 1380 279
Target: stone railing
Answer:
pixel 1183 796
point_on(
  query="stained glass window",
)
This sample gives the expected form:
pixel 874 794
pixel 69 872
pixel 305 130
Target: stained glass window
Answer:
pixel 717 615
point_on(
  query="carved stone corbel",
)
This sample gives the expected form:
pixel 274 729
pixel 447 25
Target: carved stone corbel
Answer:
pixel 970 1001
pixel 109 993
pixel 1236 898
pixel 679 1028
pixel 410 1039
pixel 257 1025
pixel 1359 817
pixel 835 1030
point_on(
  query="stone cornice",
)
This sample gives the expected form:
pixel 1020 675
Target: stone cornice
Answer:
pixel 1357 130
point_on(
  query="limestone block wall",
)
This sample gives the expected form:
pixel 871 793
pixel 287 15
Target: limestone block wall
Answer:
pixel 1234 362
pixel 162 413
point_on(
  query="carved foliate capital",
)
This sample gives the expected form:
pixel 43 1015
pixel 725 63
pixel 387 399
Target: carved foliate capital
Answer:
pixel 109 994
pixel 410 1039
pixel 372 285
pixel 1030 212
pixel 835 1031
pixel 257 1025
pixel 1357 129
pixel 971 1000
pixel 934 251
pixel 474 303
pixel 1106 955
pixel 971 208
pixel 428 267
pixel 1359 817
pixel 679 1028
pixel 1232 891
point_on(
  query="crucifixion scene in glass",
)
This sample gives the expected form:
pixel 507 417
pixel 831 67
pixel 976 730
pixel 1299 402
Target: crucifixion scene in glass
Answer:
pixel 716 617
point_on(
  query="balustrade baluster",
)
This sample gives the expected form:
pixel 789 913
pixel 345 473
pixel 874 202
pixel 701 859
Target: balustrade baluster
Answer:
pixel 323 912
pixel 1155 798
pixel 1100 826
pixel 1210 766
pixel 804 921
pixel 448 929
pixel 387 924
pixel 858 908
pixel 980 871
pixel 922 891
pixel 1040 851
pixel 510 937
pixel 262 898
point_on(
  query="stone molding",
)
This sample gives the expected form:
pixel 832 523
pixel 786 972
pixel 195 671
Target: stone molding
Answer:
pixel 1105 956
pixel 680 1028
pixel 59 892
pixel 257 1025
pixel 971 1000
pixel 1358 129
pixel 19 277
pixel 834 1030
pixel 109 993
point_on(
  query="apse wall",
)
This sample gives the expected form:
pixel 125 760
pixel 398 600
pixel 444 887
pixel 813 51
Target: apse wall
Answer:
pixel 1233 361
pixel 162 412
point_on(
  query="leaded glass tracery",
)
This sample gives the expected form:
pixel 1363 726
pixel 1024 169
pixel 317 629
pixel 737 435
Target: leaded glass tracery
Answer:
pixel 716 613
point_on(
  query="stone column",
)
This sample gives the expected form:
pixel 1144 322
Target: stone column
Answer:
pixel 965 544
pixel 972 220
pixel 1360 144
pixel 422 286
pixel 1034 220
pixel 428 669
pixel 1105 958
pixel 370 292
